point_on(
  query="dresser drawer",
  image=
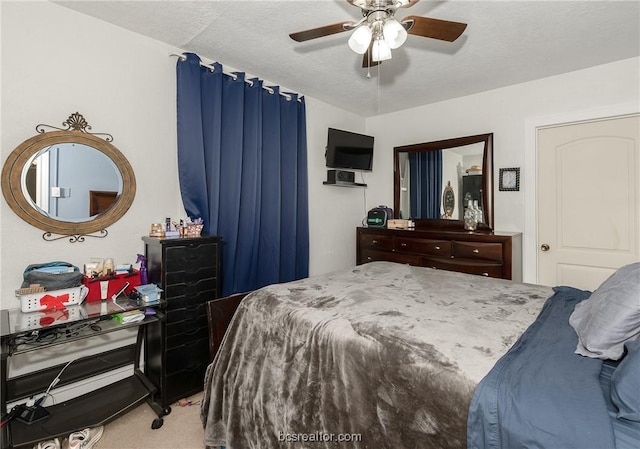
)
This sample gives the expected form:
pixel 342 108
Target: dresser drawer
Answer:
pixel 371 256
pixel 192 288
pixel 376 241
pixel 184 338
pixel 190 312
pixel 185 382
pixel 368 255
pixel 185 369
pixel 477 251
pixel 183 356
pixel 189 301
pixel 187 325
pixel 188 277
pixel 483 269
pixel 190 257
pixel 423 246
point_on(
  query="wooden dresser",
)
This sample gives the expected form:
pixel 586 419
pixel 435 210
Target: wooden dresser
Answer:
pixel 498 254
pixel 188 271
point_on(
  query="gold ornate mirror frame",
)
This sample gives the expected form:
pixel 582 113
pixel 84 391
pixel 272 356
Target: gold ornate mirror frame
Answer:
pixel 76 131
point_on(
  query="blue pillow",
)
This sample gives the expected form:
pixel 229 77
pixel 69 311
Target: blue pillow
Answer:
pixel 625 383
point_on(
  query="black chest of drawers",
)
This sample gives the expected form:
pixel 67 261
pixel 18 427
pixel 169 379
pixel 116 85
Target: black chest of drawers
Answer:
pixel 188 272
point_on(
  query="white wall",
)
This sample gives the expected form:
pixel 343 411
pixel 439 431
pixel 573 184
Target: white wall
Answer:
pixel 55 62
pixel 509 113
pixel 334 212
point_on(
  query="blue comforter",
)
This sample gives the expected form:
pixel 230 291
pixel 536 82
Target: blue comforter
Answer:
pixel 541 394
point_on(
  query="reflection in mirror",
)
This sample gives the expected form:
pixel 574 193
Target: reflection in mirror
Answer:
pixel 434 182
pixel 425 175
pixel 448 201
pixel 71 182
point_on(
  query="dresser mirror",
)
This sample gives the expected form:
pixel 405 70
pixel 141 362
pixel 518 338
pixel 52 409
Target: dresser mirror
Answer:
pixel 457 170
pixel 69 182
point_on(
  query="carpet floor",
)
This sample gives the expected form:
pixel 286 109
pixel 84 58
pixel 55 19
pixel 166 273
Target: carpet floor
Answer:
pixel 182 429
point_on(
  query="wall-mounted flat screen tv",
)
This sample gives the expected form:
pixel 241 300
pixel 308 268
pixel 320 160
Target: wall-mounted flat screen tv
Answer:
pixel 348 150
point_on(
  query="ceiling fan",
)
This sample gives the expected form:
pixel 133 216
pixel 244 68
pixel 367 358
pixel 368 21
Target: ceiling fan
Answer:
pixel 378 32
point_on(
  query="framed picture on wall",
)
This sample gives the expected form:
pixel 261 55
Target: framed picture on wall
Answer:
pixel 509 179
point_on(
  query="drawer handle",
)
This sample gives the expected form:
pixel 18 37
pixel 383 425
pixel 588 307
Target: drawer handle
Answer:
pixel 476 251
pixel 403 244
pixel 374 242
pixel 369 258
pixel 438 248
pixel 485 274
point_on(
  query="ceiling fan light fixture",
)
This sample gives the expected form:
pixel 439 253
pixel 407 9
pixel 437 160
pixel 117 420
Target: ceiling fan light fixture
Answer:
pixel 394 33
pixel 360 39
pixel 380 50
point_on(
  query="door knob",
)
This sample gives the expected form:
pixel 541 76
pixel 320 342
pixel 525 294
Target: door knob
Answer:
pixel 544 247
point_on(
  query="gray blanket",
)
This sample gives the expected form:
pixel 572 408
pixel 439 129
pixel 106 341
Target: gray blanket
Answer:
pixel 382 355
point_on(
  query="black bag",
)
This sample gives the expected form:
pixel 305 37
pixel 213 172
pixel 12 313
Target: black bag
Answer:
pixel 69 275
pixel 378 216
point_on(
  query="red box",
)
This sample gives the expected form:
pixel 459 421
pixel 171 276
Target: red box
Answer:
pixel 111 285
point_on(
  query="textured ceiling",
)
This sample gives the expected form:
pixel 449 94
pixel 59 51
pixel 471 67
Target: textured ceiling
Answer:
pixel 505 43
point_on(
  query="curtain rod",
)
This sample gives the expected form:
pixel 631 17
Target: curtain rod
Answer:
pixel 234 76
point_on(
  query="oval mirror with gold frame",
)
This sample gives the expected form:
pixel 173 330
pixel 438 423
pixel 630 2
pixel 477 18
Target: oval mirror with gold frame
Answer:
pixel 448 201
pixel 103 182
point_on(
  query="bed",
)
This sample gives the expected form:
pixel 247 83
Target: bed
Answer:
pixel 385 355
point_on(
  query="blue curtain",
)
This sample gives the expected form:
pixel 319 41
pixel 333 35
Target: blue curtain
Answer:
pixel 425 183
pixel 242 163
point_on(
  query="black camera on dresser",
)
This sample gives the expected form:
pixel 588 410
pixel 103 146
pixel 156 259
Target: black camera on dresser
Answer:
pixel 187 269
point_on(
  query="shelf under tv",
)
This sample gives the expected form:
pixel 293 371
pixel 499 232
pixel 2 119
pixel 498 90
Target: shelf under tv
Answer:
pixel 344 184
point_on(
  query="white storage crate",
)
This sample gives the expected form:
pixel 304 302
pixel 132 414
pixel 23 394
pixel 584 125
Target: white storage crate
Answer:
pixel 39 320
pixel 31 302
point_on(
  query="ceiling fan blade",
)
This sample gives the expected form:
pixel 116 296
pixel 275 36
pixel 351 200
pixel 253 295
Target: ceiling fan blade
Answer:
pixel 435 28
pixel 367 58
pixel 314 33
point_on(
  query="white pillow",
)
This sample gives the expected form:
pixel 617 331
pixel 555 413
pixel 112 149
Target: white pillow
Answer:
pixel 610 316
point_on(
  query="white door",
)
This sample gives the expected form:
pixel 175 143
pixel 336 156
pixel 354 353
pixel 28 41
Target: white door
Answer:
pixel 588 194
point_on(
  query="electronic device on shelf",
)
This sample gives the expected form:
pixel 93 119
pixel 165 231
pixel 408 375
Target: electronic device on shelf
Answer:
pixel 348 150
